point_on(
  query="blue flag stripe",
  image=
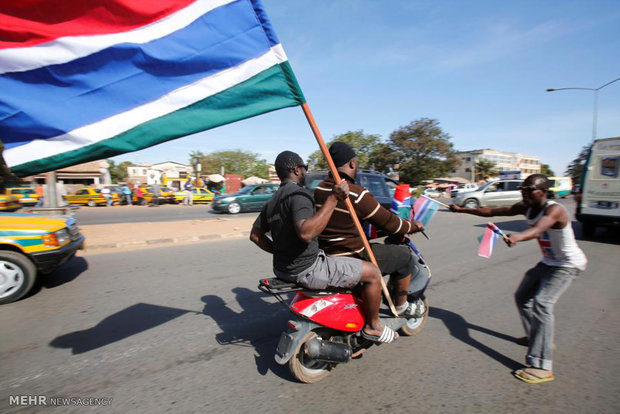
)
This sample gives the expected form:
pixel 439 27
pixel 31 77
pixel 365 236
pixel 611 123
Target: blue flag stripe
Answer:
pixel 95 87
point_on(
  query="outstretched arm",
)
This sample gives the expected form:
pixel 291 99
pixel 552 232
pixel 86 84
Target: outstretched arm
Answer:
pixel 514 210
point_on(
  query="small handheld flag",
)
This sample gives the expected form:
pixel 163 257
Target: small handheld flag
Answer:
pixel 424 209
pixel 488 240
pixel 401 203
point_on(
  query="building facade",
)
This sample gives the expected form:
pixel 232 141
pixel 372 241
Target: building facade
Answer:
pixel 504 161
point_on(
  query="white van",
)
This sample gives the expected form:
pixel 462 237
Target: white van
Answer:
pixel 560 187
pixel 599 201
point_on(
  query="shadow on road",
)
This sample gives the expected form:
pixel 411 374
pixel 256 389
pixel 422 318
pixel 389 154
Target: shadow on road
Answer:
pixel 258 324
pixel 130 321
pixel 459 328
pixel 64 274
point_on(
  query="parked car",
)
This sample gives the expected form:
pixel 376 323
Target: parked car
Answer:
pixel 9 202
pixel 89 196
pixel 200 195
pixel 33 245
pixel 493 193
pixel 464 188
pixel 432 192
pixel 25 196
pixel 380 185
pixel 166 195
pixel 249 198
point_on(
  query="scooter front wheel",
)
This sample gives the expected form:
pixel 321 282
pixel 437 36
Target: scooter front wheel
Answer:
pixel 304 368
pixel 415 325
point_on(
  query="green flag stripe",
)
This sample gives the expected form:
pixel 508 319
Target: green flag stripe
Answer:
pixel 268 91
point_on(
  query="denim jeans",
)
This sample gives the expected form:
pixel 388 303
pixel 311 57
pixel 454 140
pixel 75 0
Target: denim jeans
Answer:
pixel 536 296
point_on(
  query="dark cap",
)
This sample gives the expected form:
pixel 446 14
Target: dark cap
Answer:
pixel 341 153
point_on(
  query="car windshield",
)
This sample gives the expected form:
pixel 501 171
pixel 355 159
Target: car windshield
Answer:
pixel 484 186
pixel 245 190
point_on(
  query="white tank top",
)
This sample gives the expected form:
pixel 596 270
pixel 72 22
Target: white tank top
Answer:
pixel 558 246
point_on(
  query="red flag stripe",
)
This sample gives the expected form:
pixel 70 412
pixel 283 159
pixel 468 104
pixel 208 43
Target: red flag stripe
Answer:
pixel 31 22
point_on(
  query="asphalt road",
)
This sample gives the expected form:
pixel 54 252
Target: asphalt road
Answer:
pixel 184 329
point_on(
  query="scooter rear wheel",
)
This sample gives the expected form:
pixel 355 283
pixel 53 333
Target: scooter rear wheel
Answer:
pixel 304 368
pixel 414 325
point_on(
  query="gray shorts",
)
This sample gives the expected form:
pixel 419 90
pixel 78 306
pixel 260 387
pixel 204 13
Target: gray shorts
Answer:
pixel 326 271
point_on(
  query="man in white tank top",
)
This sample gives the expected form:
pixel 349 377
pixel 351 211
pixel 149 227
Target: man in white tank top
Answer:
pixel 542 285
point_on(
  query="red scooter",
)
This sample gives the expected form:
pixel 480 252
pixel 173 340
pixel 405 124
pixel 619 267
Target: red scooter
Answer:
pixel 326 330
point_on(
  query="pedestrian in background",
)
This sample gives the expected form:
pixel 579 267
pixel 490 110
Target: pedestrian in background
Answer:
pixel 40 195
pixel 127 194
pixel 155 199
pixel 188 200
pixel 105 192
pixel 139 195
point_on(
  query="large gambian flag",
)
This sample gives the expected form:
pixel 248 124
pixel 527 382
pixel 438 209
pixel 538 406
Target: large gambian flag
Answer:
pixel 82 80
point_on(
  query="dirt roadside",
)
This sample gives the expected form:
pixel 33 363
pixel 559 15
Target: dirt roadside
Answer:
pixel 106 238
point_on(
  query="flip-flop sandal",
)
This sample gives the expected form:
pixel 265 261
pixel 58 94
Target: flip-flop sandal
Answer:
pixel 387 336
pixel 530 377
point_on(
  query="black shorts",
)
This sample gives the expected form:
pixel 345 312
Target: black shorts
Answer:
pixel 395 260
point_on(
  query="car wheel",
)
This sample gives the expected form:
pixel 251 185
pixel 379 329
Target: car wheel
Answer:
pixel 17 276
pixel 471 203
pixel 91 203
pixel 234 207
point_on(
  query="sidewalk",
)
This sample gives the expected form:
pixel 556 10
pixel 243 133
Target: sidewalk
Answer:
pixel 106 238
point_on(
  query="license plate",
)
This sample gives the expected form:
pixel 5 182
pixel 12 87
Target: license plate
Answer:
pixel 606 204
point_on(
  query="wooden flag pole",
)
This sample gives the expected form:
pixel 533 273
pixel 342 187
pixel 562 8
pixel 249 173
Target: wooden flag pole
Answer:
pixel 337 179
pixel 436 201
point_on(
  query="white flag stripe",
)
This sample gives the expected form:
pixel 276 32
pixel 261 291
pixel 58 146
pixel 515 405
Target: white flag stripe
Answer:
pixel 173 101
pixel 66 49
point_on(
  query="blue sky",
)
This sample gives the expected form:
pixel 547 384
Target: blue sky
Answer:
pixel 479 67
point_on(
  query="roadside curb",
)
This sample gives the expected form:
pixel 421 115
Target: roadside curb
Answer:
pixel 169 240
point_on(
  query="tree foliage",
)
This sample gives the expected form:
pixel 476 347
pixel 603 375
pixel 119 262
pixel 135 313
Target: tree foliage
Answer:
pixel 421 150
pixel 118 173
pixel 240 162
pixel 484 169
pixel 362 144
pixel 575 168
pixel 545 169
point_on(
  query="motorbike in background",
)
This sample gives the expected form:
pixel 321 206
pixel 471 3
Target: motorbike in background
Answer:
pixel 326 328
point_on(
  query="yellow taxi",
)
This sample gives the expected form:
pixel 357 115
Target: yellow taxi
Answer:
pixel 25 196
pixel 9 202
pixel 200 195
pixel 32 245
pixel 166 195
pixel 91 197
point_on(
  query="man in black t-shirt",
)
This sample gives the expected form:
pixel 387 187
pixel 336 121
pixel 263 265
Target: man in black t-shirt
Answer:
pixel 291 217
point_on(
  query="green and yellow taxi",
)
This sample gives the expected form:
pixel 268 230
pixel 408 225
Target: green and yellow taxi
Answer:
pixel 9 202
pixel 25 196
pixel 200 195
pixel 90 196
pixel 33 245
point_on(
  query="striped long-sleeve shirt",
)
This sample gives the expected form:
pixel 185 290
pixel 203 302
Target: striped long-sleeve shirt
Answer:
pixel 340 237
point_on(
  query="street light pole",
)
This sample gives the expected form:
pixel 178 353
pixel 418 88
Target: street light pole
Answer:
pixel 595 90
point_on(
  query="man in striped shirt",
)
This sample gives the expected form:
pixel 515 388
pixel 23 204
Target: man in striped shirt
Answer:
pixel 340 236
